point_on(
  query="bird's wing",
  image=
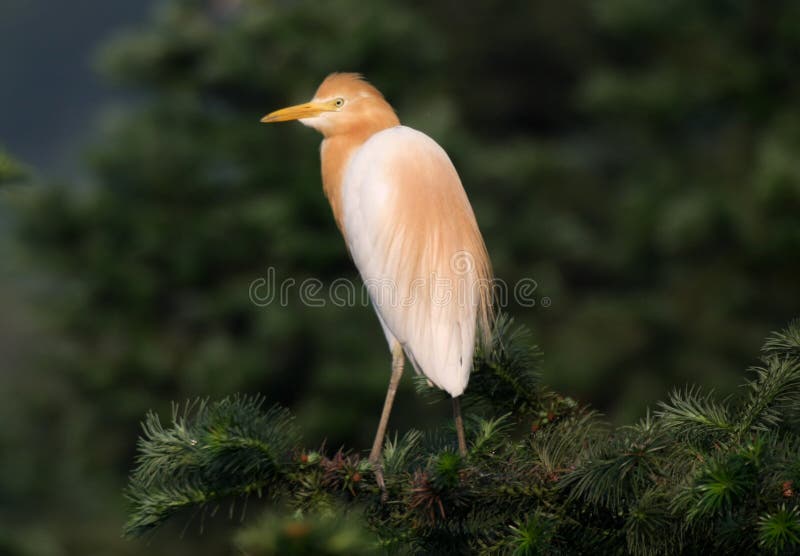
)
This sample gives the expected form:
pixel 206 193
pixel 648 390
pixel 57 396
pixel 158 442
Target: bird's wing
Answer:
pixel 414 238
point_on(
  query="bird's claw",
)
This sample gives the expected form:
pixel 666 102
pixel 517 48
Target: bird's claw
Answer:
pixel 380 481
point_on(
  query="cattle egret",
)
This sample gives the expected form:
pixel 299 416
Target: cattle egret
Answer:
pixel 410 229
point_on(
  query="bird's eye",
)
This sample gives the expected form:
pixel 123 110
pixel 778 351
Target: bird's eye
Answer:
pixel 338 103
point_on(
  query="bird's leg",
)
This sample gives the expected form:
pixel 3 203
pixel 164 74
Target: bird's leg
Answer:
pixel 462 442
pixel 377 446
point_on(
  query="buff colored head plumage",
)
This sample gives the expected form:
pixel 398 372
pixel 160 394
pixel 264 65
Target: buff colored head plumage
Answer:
pixel 344 104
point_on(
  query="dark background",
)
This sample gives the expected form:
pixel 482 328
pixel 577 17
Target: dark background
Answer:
pixel 638 160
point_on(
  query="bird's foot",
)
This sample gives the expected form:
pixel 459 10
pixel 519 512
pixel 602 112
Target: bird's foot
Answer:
pixel 380 481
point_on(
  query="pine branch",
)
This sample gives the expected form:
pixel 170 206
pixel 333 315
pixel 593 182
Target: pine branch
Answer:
pixel 210 452
pixel 779 531
pixel 650 527
pixel 621 469
pixel 397 453
pixel 508 378
pixel 557 449
pixel 699 475
pixel 718 485
pixel 772 395
pixel 785 343
pixel 695 418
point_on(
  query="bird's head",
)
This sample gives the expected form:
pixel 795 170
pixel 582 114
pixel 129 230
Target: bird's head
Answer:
pixel 343 104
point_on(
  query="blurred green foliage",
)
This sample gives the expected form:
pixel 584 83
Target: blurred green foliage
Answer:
pixel 638 160
pixel 11 171
pixel 326 536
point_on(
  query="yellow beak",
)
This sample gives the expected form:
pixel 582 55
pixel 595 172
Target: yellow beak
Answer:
pixel 299 111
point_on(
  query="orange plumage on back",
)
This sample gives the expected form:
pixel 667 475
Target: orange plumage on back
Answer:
pixel 407 221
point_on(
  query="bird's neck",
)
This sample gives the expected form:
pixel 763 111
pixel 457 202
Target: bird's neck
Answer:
pixel 373 114
pixel 336 152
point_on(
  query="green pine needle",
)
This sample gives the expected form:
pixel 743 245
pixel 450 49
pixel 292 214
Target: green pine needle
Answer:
pixel 779 531
pixel 543 475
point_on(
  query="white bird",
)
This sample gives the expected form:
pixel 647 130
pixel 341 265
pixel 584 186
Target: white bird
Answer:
pixel 410 229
